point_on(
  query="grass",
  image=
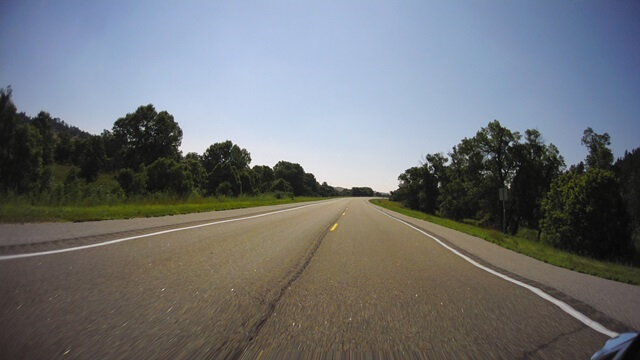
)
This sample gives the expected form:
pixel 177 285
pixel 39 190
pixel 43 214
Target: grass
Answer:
pixel 525 245
pixel 22 211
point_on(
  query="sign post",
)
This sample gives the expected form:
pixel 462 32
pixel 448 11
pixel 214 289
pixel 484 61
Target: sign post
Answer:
pixel 502 193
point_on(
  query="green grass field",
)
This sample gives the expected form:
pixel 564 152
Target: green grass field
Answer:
pixel 529 247
pixel 19 212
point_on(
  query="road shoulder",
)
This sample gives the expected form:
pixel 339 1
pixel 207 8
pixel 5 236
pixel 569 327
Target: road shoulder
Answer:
pixel 36 233
pixel 616 300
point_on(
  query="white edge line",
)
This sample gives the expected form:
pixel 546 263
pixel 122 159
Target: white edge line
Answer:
pixel 50 252
pixel 561 304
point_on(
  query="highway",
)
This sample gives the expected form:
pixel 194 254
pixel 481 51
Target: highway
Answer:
pixel 337 276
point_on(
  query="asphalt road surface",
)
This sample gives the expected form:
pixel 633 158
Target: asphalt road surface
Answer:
pixel 271 283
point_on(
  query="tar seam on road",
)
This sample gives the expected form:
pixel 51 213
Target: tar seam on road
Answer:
pixel 561 304
pixel 289 279
pixel 18 256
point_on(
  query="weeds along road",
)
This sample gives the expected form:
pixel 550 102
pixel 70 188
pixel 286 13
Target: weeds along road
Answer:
pixel 285 281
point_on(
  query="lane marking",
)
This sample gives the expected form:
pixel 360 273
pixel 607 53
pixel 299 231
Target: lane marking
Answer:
pixel 334 227
pixel 561 304
pixel 19 256
pixel 343 213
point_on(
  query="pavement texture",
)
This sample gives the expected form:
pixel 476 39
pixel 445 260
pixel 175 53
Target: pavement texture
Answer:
pixel 284 284
pixel 619 301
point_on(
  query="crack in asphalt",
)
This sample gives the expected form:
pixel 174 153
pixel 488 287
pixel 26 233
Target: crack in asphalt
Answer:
pixel 531 353
pixel 229 351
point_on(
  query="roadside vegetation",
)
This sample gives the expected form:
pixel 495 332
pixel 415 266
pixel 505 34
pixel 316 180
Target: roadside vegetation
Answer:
pixel 526 243
pixel 590 210
pixel 18 210
pixel 50 170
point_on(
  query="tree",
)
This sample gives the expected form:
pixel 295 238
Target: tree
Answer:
pixel 537 165
pixel 22 167
pixel 464 182
pixel 30 174
pixel 453 202
pixel 146 135
pixel 584 213
pixel 496 143
pixel 226 162
pixel 246 181
pixel 132 183
pixel 263 177
pixel 226 153
pixel 224 189
pixel 327 191
pixel 113 159
pixel 281 185
pixel 63 148
pixel 168 176
pixel 198 173
pixel 628 170
pixel 293 174
pixel 42 123
pixel 92 158
pixel 361 191
pixel 600 156
pixel 8 127
pixel 417 189
pixel 193 156
pixel 311 186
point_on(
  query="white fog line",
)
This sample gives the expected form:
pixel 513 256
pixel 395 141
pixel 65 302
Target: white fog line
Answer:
pixel 18 256
pixel 561 304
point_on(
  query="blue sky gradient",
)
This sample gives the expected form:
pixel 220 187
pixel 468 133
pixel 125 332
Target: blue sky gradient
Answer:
pixel 354 91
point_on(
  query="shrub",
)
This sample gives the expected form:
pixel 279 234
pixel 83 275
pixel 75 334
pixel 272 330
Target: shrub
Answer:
pixel 166 175
pixel 584 214
pixel 282 186
pixel 132 183
pixel 224 189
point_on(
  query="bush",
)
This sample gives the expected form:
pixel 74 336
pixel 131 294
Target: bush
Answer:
pixel 283 195
pixel 584 214
pixel 528 234
pixel 224 189
pixel 166 175
pixel 132 183
pixel 281 185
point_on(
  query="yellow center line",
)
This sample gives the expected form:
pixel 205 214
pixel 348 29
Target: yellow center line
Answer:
pixel 343 213
pixel 334 227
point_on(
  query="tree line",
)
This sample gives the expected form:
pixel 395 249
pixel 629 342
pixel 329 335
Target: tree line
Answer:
pixel 142 151
pixel 592 208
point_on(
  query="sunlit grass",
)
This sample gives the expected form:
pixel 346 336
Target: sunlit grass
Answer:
pixel 22 211
pixel 529 247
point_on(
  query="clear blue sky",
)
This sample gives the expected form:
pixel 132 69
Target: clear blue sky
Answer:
pixel 354 91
